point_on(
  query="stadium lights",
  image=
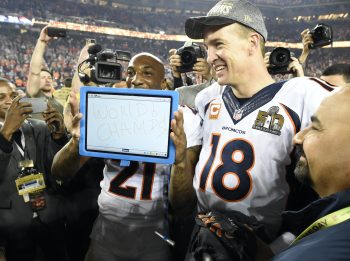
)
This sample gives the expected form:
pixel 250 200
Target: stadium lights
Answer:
pixel 112 31
pixel 331 16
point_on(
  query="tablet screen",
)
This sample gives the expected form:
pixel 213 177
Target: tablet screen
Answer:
pixel 130 124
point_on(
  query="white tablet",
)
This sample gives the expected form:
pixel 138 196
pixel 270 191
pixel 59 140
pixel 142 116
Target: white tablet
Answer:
pixel 127 124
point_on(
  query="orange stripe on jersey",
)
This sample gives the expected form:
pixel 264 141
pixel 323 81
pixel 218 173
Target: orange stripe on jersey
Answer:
pixel 323 84
pixel 293 117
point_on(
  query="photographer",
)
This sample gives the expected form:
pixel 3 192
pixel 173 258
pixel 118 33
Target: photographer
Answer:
pixel 321 35
pixel 201 68
pixel 283 63
pixel 307 40
pixel 32 225
pixel 40 83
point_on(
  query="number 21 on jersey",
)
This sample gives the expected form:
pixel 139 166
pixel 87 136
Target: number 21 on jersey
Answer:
pixel 236 160
pixel 117 184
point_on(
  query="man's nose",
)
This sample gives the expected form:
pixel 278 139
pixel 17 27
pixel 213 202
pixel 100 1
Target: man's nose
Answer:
pixel 136 80
pixel 211 56
pixel 299 137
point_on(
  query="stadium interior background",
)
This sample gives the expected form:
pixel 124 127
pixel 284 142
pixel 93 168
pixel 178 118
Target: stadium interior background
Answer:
pixel 154 26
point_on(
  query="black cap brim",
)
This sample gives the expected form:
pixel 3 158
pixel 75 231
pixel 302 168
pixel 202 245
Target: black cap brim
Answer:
pixel 194 26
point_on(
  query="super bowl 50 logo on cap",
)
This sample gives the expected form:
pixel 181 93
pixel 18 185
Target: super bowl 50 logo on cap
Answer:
pixel 223 9
pixel 214 111
pixel 269 121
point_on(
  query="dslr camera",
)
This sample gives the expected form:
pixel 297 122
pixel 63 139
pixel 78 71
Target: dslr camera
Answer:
pixel 189 54
pixel 104 65
pixel 322 35
pixel 279 60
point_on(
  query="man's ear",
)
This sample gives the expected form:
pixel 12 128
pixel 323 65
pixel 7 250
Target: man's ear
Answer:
pixel 254 43
pixel 164 85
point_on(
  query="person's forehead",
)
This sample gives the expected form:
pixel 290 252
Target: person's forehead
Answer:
pixel 45 73
pixel 143 62
pixel 217 32
pixel 5 88
pixel 335 108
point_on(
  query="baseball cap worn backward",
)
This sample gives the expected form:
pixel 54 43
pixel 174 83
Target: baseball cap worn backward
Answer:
pixel 227 12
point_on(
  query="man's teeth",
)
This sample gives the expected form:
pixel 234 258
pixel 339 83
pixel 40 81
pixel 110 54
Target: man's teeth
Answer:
pixel 219 68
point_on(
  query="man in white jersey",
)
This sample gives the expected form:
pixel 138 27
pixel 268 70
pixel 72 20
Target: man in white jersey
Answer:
pixel 132 199
pixel 247 122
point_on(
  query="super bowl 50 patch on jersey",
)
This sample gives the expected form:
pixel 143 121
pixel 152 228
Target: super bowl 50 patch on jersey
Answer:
pixel 269 121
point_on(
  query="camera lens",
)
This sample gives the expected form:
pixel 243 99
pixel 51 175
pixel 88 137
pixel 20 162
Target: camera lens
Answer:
pixel 108 72
pixel 187 58
pixel 319 32
pixel 280 57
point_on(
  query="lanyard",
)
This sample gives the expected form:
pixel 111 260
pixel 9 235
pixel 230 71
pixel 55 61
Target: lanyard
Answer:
pixel 331 219
pixel 22 143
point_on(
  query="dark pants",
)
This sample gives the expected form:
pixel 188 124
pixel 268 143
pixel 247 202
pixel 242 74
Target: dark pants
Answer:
pixel 38 242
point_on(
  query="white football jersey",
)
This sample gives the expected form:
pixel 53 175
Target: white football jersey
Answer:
pixel 246 149
pixel 192 123
pixel 135 195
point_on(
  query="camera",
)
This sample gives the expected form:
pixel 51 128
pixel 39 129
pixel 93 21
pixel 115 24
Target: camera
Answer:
pixel 104 65
pixel 322 35
pixel 279 61
pixel 56 32
pixel 189 54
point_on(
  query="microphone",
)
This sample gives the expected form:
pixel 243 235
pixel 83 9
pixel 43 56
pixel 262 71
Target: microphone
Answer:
pixel 93 49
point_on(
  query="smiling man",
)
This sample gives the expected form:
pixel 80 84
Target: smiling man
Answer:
pixel 248 122
pixel 324 165
pixel 132 199
pixel 323 227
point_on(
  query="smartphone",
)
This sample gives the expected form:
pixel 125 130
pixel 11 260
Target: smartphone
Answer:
pixel 39 105
pixel 90 41
pixel 56 32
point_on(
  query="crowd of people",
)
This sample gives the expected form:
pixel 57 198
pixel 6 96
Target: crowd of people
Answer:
pixel 17 48
pixel 261 166
pixel 172 19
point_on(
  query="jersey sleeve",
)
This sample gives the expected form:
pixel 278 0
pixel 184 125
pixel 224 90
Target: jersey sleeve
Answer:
pixel 316 91
pixel 192 126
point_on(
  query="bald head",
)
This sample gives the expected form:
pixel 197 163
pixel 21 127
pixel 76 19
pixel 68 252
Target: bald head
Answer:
pixel 326 145
pixel 337 74
pixel 338 106
pixel 145 71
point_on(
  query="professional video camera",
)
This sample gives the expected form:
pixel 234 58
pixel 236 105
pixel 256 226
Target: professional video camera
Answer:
pixel 322 35
pixel 189 54
pixel 104 65
pixel 279 61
